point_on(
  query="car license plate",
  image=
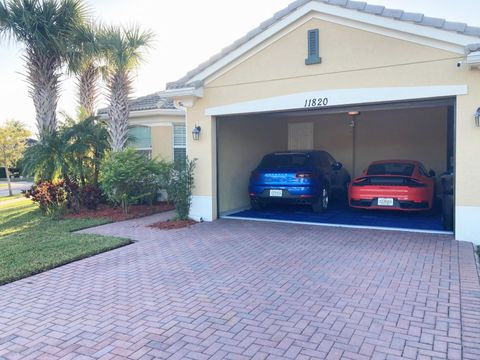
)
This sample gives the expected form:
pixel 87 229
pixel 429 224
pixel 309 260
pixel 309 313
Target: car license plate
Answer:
pixel 276 193
pixel 385 202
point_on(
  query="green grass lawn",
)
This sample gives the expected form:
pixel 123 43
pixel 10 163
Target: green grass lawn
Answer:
pixel 13 197
pixel 31 243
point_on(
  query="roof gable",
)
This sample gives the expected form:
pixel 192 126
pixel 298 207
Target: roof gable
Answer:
pixel 456 34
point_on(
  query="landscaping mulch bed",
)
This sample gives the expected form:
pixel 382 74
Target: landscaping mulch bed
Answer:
pixel 116 214
pixel 173 224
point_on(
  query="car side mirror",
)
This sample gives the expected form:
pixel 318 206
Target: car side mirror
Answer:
pixel 337 166
pixel 431 173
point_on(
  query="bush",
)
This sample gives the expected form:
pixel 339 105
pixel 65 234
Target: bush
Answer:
pixel 90 196
pixel 55 198
pixel 128 177
pixel 180 187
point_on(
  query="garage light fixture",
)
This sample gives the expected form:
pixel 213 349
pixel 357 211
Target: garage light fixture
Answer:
pixel 196 132
pixel 477 118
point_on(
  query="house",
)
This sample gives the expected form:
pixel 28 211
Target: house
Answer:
pixel 361 81
pixel 157 127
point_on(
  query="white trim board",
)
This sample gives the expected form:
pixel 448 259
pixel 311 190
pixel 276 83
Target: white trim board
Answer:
pixel 436 38
pixel 339 97
pixel 339 225
pixel 467 225
pixel 201 208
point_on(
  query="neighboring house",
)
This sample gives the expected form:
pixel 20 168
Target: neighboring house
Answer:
pixel 157 127
pixel 361 81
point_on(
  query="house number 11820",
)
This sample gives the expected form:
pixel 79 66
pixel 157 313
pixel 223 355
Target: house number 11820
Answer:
pixel 310 103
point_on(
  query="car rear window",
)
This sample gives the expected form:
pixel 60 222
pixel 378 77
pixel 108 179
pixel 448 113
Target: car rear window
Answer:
pixel 279 161
pixel 401 169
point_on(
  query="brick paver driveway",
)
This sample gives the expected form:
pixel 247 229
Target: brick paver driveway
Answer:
pixel 249 290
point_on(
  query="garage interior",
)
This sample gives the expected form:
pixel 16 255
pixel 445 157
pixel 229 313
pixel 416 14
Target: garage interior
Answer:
pixel 420 130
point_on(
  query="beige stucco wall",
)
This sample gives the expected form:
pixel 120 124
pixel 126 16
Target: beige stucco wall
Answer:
pixel 162 142
pixel 242 142
pixel 351 58
pixel 407 134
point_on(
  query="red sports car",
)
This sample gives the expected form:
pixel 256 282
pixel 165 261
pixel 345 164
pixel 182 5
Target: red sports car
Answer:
pixel 393 185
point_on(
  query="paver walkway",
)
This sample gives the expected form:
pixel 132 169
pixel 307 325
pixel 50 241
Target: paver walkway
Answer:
pixel 250 290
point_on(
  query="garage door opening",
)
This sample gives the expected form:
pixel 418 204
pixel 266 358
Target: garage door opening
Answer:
pixel 356 136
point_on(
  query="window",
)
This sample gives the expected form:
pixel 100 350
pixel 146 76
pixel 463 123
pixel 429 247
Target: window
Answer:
pixel 279 161
pixel 324 160
pixel 400 169
pixel 179 142
pixel 313 48
pixel 140 138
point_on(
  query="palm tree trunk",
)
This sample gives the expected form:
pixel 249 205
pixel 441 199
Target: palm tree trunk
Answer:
pixel 44 90
pixel 118 112
pixel 87 87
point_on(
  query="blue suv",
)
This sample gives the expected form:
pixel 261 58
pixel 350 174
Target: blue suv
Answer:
pixel 298 177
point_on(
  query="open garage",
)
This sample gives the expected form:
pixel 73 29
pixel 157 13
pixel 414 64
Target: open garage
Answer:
pixel 361 82
pixel 355 136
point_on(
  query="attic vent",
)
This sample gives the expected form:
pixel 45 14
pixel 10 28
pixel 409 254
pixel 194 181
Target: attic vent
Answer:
pixel 313 48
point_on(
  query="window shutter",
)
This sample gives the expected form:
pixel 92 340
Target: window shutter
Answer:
pixel 313 48
pixel 179 142
pixel 179 135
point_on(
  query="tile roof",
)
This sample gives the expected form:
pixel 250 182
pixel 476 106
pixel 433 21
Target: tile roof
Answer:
pixel 148 102
pixel 473 47
pixel 416 18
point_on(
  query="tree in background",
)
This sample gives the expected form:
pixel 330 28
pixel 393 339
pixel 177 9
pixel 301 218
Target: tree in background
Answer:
pixel 123 49
pixel 46 29
pixel 13 140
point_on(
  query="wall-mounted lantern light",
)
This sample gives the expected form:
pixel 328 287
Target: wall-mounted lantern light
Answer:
pixel 196 132
pixel 477 118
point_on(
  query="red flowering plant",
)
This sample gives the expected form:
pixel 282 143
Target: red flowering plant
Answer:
pixel 55 198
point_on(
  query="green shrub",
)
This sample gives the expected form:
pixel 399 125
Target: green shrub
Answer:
pixel 128 177
pixel 180 186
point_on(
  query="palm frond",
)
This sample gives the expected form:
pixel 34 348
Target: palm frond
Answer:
pixel 45 28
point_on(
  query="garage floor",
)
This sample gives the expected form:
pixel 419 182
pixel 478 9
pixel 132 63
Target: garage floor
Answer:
pixel 340 214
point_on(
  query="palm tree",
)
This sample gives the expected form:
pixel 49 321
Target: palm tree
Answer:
pixel 86 145
pixel 84 63
pixel 123 50
pixel 45 29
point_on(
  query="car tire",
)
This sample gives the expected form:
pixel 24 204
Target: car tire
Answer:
pixel 321 205
pixel 345 191
pixel 257 205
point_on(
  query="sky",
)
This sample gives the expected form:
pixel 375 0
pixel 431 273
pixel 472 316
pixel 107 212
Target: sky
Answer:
pixel 188 32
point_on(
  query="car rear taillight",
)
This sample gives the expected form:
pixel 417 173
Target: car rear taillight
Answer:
pixel 255 175
pixel 304 175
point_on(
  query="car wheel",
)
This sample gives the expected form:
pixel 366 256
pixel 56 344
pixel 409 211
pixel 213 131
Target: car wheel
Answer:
pixel 321 205
pixel 257 205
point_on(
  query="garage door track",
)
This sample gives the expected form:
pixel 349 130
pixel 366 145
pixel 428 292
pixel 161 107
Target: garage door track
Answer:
pixel 251 290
